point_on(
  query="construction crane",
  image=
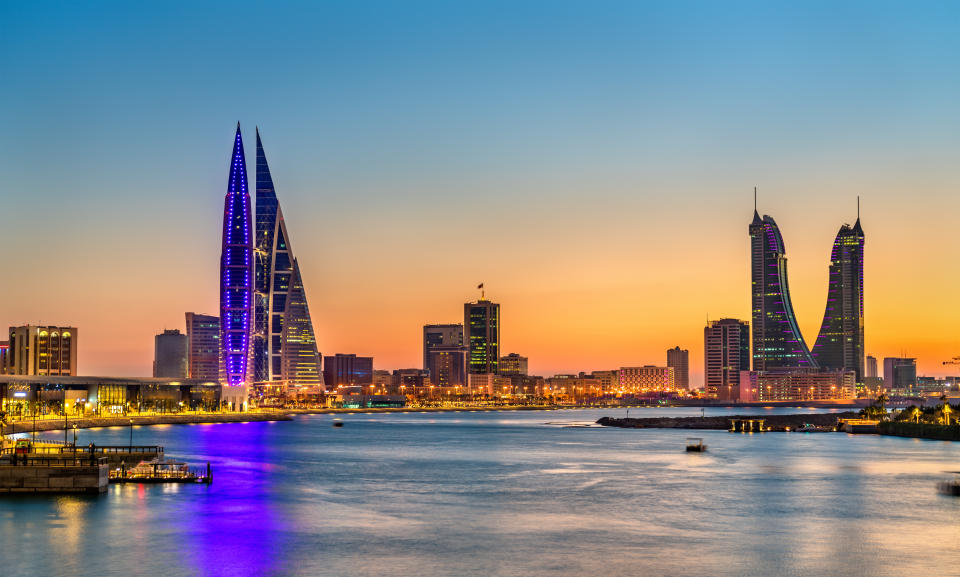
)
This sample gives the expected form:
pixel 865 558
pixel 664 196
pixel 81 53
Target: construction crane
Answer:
pixel 953 361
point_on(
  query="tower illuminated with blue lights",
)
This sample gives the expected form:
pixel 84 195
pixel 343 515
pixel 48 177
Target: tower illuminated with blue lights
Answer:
pixel 236 272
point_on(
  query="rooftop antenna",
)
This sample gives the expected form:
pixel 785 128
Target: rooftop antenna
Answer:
pixel 483 294
pixel 755 201
pixel 858 207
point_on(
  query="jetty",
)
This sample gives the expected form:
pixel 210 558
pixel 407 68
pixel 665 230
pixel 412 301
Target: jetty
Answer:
pixel 737 423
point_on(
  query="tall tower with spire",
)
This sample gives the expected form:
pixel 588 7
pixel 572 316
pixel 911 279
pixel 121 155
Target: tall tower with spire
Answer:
pixel 278 287
pixel 840 342
pixel 777 342
pixel 236 272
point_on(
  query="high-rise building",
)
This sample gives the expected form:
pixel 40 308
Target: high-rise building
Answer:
pixel 513 365
pixel 4 349
pixel 274 293
pixel 871 368
pixel 899 373
pixel 839 345
pixel 236 272
pixel 347 371
pixel 679 360
pixel 203 334
pixel 171 355
pixel 481 324
pixel 300 359
pixel 777 341
pixel 646 379
pixel 444 355
pixel 726 352
pixel 42 351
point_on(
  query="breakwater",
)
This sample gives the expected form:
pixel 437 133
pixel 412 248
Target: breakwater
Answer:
pixel 722 423
pixel 27 426
pixel 920 430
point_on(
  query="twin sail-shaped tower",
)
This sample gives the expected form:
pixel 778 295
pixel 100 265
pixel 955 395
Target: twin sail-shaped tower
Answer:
pixel 266 332
pixel 777 342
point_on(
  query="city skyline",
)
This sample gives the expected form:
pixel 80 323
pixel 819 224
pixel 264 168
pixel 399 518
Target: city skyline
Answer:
pixel 594 190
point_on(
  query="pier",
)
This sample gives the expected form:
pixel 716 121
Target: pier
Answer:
pixel 53 474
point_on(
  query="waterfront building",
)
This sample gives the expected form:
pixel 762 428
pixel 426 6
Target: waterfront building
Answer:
pixel 870 369
pixel 899 373
pixel 726 346
pixel 299 358
pixel 382 379
pixel 278 288
pixel 513 365
pixel 444 354
pixel 171 355
pixel 840 342
pixel 236 272
pixel 347 370
pixel 573 386
pixel 411 379
pixel 41 350
pixel 4 349
pixel 803 384
pixel 609 381
pixel 481 383
pixel 679 359
pixel 23 395
pixel 481 323
pixel 646 379
pixel 203 334
pixel 777 341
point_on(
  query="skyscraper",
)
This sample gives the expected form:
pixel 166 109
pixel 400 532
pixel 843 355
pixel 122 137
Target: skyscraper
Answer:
pixel 300 359
pixel 342 370
pixel 899 373
pixel 203 334
pixel 236 272
pixel 871 367
pixel 444 355
pixel 481 323
pixel 777 341
pixel 679 359
pixel 726 352
pixel 171 352
pixel 274 293
pixel 840 342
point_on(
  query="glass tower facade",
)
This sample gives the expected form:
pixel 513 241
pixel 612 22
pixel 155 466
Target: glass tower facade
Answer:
pixel 274 290
pixel 777 342
pixel 481 323
pixel 840 342
pixel 236 271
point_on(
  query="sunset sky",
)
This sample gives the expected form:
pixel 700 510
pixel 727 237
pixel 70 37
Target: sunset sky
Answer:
pixel 592 163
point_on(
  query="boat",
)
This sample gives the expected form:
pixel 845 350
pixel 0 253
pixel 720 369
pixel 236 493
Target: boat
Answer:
pixel 160 470
pixel 338 423
pixel 951 487
pixel 695 445
pixel 811 428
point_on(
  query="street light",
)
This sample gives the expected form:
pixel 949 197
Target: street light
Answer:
pixel 130 450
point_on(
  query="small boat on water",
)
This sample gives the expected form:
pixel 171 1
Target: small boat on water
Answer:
pixel 811 428
pixel 338 423
pixel 160 470
pixel 695 445
pixel 951 487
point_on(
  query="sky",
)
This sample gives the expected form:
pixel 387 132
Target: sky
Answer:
pixel 592 163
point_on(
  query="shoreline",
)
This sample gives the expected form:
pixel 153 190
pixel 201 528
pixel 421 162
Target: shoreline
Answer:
pixel 722 423
pixel 44 425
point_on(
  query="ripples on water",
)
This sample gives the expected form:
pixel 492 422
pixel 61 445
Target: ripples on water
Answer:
pixel 482 494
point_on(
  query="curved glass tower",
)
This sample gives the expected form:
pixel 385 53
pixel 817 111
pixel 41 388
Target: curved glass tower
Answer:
pixel 236 272
pixel 280 351
pixel 840 342
pixel 777 342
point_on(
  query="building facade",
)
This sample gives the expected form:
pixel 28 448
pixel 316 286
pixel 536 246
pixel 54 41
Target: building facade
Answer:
pixel 797 385
pixel 481 324
pixel 870 369
pixel 777 341
pixel 203 336
pixel 236 272
pixel 42 351
pixel 171 355
pixel 899 373
pixel 679 360
pixel 444 355
pixel 513 365
pixel 279 292
pixel 726 352
pixel 647 379
pixel 839 345
pixel 347 370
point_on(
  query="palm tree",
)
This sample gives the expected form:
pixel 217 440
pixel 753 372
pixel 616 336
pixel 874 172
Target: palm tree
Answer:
pixel 3 423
